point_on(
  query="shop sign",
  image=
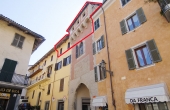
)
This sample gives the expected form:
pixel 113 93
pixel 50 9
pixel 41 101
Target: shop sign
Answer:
pixel 144 100
pixel 8 90
pixel 4 96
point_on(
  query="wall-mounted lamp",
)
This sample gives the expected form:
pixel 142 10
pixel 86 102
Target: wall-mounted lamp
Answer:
pixel 103 66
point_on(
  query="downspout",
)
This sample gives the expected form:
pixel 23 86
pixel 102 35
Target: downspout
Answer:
pixel 52 89
pixel 108 56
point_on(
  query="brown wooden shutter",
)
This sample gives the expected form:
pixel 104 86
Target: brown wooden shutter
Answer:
pixel 103 43
pixel 61 84
pixel 95 74
pixel 123 27
pixel 94 48
pixel 130 59
pixel 154 51
pixel 141 15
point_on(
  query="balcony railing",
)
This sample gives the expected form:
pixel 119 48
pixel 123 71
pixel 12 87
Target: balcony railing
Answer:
pixel 13 78
pixel 38 81
pixel 165 7
pixel 40 68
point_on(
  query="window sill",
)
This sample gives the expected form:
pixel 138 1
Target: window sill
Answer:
pixel 102 80
pixel 140 68
pixel 134 29
pixel 80 56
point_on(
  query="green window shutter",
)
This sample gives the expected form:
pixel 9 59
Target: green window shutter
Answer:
pixel 103 43
pixel 123 27
pixel 8 70
pixel 94 48
pixel 130 59
pixel 154 51
pixel 95 74
pixel 141 15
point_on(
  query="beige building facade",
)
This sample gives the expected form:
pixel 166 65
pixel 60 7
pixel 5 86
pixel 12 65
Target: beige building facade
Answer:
pixel 136 42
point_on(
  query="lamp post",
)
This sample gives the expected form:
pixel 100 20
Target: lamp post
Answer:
pixel 103 66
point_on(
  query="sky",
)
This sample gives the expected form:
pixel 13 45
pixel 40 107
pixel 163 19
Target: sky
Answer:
pixel 49 18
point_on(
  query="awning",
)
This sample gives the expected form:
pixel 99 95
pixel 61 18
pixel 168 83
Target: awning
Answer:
pixel 147 94
pixel 99 101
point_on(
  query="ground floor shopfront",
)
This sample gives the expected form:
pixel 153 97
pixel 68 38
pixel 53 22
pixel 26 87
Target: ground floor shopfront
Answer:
pixel 9 98
pixel 150 97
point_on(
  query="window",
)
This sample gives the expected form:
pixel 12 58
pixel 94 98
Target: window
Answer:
pixel 45 63
pixel 18 41
pixel 47 104
pixel 61 84
pixel 58 65
pixel 61 51
pixel 77 21
pixel 100 44
pixel 61 105
pixel 67 60
pixel 49 87
pixel 49 71
pixel 100 74
pixel 153 106
pixel 132 22
pixel 68 45
pixel 52 58
pixel 143 55
pixel 124 2
pixel 79 50
pixel 84 14
pixel 96 24
pixel 33 94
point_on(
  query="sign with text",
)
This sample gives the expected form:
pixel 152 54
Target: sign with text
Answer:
pixel 144 100
pixel 4 95
pixel 8 90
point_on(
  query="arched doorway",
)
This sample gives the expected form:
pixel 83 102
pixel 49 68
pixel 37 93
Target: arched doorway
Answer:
pixel 82 98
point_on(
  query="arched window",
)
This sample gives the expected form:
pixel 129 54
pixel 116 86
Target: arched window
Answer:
pixel 81 48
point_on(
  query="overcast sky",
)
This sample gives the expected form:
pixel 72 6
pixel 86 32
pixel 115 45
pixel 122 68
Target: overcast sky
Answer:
pixel 49 18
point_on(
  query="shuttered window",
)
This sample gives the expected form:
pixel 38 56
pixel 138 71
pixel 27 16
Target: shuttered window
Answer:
pixel 124 2
pixel 67 61
pixel 145 55
pixel 18 41
pixel 77 51
pixel 100 44
pixel 133 21
pixel 7 70
pixel 49 87
pixel 96 24
pixel 81 48
pixel 99 73
pixel 33 94
pixel 61 85
pixel 58 65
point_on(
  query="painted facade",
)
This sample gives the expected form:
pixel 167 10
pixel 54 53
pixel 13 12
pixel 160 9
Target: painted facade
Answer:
pixel 17 44
pixel 46 77
pixel 150 30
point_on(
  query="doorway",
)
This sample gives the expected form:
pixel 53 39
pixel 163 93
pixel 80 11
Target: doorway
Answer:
pixel 3 104
pixel 86 104
pixel 60 105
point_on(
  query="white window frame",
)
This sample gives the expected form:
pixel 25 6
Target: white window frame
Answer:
pixel 133 13
pixel 125 4
pixel 135 59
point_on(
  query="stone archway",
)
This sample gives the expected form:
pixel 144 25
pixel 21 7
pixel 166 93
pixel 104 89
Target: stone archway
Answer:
pixel 82 97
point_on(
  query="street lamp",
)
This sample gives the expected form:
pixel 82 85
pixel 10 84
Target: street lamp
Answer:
pixel 103 66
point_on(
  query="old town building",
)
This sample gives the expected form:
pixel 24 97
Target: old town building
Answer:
pixel 49 77
pixel 17 44
pixel 136 51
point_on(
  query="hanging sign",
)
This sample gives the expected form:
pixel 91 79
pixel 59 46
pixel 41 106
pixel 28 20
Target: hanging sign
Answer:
pixel 4 96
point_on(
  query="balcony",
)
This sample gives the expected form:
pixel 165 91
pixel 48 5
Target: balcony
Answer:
pixel 36 82
pixel 40 68
pixel 12 79
pixel 165 7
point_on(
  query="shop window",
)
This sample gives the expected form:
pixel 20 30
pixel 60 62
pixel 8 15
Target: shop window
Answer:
pixel 18 41
pixel 143 55
pixel 133 21
pixel 153 106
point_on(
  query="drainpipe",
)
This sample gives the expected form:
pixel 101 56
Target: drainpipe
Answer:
pixel 108 56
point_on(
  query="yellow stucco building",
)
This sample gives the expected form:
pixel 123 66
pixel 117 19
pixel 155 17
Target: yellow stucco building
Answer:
pixel 49 77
